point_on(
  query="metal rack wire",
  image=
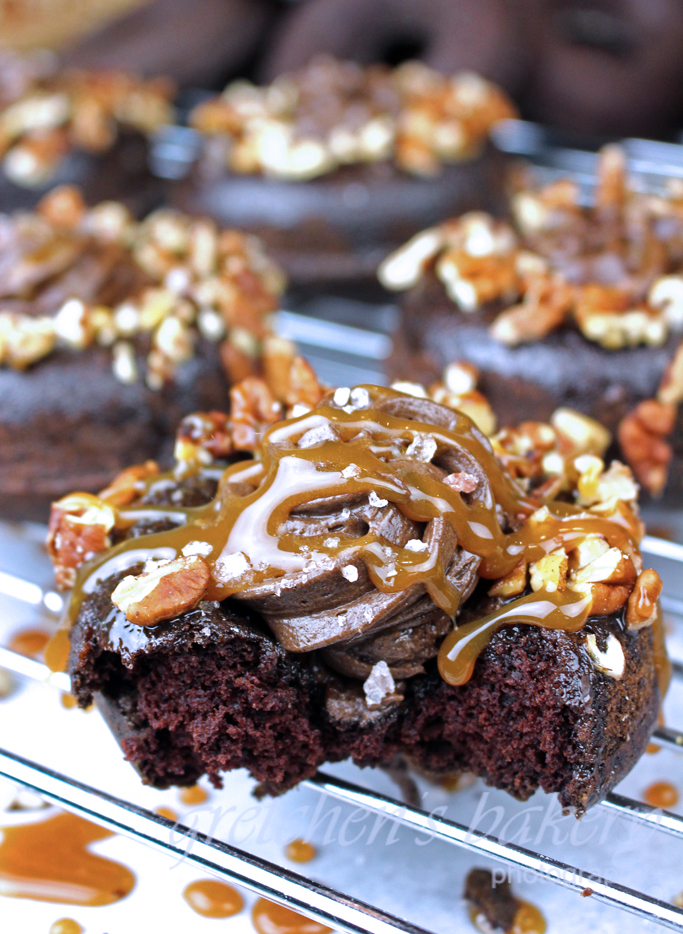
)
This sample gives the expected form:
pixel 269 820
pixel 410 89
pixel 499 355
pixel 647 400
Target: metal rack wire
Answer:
pixel 327 346
pixel 325 904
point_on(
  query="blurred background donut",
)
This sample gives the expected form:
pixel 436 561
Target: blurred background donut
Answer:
pixel 491 37
pixel 201 42
pixel 610 67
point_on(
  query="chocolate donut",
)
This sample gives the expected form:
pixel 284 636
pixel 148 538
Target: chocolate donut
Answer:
pixel 377 582
pixel 196 43
pixel 62 126
pixel 334 163
pixel 110 330
pixel 608 67
pixel 490 37
pixel 574 306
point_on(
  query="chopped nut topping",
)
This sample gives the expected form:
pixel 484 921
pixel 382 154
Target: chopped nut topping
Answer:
pixel 512 584
pixel 181 280
pixel 642 435
pixel 79 527
pixel 606 268
pixel 642 604
pixel 127 486
pixel 168 590
pixel 550 572
pixel 612 661
pixel 334 113
pixel 49 113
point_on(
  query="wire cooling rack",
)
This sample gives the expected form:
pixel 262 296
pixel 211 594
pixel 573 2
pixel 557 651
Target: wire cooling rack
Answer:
pixel 326 328
pixel 324 903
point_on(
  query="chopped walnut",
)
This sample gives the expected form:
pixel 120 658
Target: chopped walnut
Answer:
pixel 252 409
pixel 411 114
pixel 550 572
pixel 207 284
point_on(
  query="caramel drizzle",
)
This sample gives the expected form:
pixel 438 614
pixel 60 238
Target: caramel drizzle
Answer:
pixel 248 532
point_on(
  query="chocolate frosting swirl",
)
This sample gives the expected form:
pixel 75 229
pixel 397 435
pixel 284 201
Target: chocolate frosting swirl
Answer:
pixel 336 607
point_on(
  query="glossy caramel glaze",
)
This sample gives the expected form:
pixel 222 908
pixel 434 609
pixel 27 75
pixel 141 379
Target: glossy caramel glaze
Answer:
pixel 389 451
pixel 49 860
pixel 269 918
pixel 213 899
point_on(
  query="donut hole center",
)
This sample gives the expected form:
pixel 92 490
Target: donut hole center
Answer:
pixel 403 47
pixel 594 26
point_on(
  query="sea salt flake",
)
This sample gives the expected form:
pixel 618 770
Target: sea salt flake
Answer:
pixel 300 409
pixel 349 409
pixel 423 448
pixel 416 544
pixel 462 482
pixel 331 542
pixel 345 514
pixel 197 548
pixel 378 684
pixel 351 471
pixel 341 619
pixel 228 567
pixel 374 500
pixel 350 573
pixel 341 395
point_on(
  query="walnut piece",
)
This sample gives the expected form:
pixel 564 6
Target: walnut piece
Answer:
pixel 166 591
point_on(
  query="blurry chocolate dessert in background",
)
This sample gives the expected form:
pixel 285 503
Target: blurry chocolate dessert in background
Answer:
pixel 336 162
pixel 110 331
pixel 90 128
pixel 567 305
pixel 611 68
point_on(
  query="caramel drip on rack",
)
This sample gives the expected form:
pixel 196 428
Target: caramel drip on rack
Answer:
pixel 29 642
pixel 248 543
pixel 661 795
pixel 49 860
pixel 213 899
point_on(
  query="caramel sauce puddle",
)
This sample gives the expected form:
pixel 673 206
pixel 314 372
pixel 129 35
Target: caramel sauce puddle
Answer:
pixel 49 861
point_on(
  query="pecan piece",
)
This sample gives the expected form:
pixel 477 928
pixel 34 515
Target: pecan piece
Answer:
pixel 128 485
pixel 79 528
pixel 203 436
pixel 167 590
pixel 642 604
pixel 252 407
pixel 642 435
